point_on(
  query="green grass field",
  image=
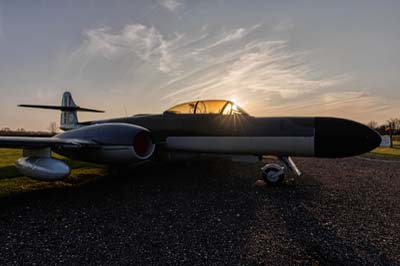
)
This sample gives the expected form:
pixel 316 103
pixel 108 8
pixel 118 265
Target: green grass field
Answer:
pixel 11 182
pixel 393 152
pixel 387 151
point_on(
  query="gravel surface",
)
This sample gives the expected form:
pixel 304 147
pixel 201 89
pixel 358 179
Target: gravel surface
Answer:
pixel 340 212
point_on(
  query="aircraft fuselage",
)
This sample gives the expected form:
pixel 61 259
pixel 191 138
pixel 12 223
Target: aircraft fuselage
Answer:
pixel 244 134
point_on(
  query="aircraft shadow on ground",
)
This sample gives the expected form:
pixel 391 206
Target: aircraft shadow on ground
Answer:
pixel 319 241
pixel 8 171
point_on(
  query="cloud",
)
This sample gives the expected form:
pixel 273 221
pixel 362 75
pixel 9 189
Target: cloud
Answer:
pixel 99 41
pixel 265 76
pixel 138 41
pixel 171 5
pixel 230 36
pixel 259 68
pixel 135 41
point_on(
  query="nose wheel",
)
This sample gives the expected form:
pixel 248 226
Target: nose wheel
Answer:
pixel 274 174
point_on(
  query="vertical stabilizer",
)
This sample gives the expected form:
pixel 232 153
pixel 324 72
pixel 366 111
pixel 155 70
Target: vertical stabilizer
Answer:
pixel 69 117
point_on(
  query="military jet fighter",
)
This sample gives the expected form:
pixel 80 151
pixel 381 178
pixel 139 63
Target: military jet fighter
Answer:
pixel 197 127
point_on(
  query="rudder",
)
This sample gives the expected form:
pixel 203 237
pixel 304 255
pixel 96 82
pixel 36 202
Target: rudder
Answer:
pixel 69 116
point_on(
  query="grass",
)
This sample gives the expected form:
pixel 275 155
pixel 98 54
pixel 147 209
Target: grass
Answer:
pixel 7 160
pixel 396 144
pixel 386 151
pixel 11 181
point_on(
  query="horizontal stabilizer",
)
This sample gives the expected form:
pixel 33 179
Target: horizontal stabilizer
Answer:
pixel 61 108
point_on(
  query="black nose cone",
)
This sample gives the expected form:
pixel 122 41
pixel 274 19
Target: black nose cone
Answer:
pixel 336 137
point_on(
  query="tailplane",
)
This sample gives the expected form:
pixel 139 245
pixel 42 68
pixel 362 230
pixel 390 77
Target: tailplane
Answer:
pixel 68 108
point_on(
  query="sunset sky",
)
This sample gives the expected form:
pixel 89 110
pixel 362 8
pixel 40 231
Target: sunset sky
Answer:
pixel 274 58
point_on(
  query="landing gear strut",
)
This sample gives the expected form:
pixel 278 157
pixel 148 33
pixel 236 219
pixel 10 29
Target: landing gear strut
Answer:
pixel 273 174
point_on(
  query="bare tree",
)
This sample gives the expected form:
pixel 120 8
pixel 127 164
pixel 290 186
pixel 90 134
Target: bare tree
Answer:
pixel 372 124
pixel 397 125
pixel 394 128
pixel 394 124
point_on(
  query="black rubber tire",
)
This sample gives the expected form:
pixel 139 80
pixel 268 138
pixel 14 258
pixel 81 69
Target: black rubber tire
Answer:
pixel 272 182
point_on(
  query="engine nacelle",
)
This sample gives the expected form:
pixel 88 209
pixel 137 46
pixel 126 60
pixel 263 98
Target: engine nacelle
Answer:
pixel 120 143
pixel 43 168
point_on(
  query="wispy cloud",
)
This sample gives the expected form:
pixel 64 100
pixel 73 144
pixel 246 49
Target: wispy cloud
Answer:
pixel 136 41
pixel 265 76
pixel 260 68
pixel 232 35
pixel 100 41
pixel 172 5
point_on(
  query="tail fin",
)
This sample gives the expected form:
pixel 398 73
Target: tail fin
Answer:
pixel 69 118
pixel 68 108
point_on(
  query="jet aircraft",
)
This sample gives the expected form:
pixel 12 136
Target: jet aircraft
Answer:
pixel 197 127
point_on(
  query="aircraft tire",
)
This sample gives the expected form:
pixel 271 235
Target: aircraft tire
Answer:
pixel 273 175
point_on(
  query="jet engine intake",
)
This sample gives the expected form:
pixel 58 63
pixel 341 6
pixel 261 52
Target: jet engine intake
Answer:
pixel 143 145
pixel 120 143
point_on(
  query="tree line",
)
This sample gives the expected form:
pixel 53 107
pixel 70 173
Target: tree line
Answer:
pixel 391 127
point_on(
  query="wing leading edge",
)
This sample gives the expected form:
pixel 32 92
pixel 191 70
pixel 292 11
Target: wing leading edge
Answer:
pixel 39 142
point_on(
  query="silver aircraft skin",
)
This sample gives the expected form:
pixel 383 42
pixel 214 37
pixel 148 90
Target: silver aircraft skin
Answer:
pixel 197 127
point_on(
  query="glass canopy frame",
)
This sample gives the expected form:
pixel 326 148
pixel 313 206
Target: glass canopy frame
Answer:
pixel 222 107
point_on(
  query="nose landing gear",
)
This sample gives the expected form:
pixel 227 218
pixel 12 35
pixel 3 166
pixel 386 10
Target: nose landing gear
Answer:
pixel 273 174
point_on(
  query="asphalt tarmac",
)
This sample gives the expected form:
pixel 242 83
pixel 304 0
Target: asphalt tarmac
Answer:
pixel 340 212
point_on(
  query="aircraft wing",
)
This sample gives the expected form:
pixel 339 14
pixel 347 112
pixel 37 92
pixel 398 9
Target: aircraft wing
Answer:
pixel 39 142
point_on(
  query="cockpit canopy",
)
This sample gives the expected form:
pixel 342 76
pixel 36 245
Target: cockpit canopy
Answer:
pixel 221 107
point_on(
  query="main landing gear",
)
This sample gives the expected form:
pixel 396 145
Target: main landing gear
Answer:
pixel 273 174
